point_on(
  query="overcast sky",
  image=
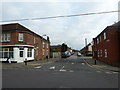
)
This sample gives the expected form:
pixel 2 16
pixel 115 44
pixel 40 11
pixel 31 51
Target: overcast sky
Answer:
pixel 71 30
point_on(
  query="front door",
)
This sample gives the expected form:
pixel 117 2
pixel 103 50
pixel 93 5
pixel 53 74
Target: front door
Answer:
pixel 21 54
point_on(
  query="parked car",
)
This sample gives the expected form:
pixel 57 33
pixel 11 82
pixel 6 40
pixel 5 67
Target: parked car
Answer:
pixel 65 54
pixel 78 54
pixel 68 53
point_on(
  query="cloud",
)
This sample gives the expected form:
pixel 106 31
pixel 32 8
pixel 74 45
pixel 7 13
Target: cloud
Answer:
pixel 71 30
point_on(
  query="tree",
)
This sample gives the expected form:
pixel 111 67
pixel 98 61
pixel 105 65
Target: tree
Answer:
pixel 64 47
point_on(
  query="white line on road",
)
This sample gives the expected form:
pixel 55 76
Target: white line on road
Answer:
pixel 72 63
pixel 71 71
pixel 83 63
pixel 62 69
pixel 52 67
pixel 108 72
pixel 98 71
pixel 38 67
pixel 115 72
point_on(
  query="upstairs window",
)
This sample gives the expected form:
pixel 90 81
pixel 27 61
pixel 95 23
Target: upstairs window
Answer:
pixel 5 37
pixel 47 45
pixel 20 37
pixel 43 44
pixel 104 35
pixel 97 40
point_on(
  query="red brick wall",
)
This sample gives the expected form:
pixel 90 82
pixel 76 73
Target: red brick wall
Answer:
pixel 29 39
pixel 112 46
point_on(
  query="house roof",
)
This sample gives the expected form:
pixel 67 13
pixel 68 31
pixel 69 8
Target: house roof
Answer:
pixel 17 27
pixel 116 24
pixel 56 46
pixel 113 26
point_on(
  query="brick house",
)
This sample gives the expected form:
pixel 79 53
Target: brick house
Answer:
pixel 55 51
pixel 106 46
pixel 18 43
pixel 87 50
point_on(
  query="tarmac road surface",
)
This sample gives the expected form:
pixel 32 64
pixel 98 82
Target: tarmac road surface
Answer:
pixel 72 72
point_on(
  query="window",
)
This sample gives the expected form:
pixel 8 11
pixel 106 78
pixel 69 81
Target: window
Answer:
pixel 5 37
pixel 47 45
pixel 105 52
pixel 43 44
pixel 104 35
pixel 20 37
pixel 21 50
pixel 6 52
pixel 101 53
pixel 98 53
pixel 29 53
pixel 97 40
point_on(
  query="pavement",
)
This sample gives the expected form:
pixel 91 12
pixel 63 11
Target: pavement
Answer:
pixel 29 64
pixel 100 65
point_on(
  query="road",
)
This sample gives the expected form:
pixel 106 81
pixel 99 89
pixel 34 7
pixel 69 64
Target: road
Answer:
pixel 72 72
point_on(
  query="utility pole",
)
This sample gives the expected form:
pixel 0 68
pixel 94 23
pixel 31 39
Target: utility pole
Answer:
pixel 86 46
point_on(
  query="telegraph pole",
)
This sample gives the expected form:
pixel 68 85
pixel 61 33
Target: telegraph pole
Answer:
pixel 86 46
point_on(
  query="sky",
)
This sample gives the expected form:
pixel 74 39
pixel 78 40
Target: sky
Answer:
pixel 70 30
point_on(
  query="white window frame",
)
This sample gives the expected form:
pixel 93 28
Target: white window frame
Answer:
pixel 20 37
pixel 5 37
pixel 29 52
pixel 43 44
pixel 106 53
pixel 97 40
pixel 105 35
pixel 101 53
pixel 8 51
pixel 47 45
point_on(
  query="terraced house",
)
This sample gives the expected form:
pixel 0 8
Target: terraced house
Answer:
pixel 18 43
pixel 106 46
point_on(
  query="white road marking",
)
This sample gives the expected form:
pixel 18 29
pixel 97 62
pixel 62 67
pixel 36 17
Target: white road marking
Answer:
pixel 115 72
pixel 38 67
pixel 62 69
pixel 71 71
pixel 108 72
pixel 83 63
pixel 52 67
pixel 72 63
pixel 98 71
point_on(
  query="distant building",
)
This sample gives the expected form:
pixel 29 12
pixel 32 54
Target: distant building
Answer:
pixel 55 51
pixel 87 50
pixel 19 43
pixel 106 46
